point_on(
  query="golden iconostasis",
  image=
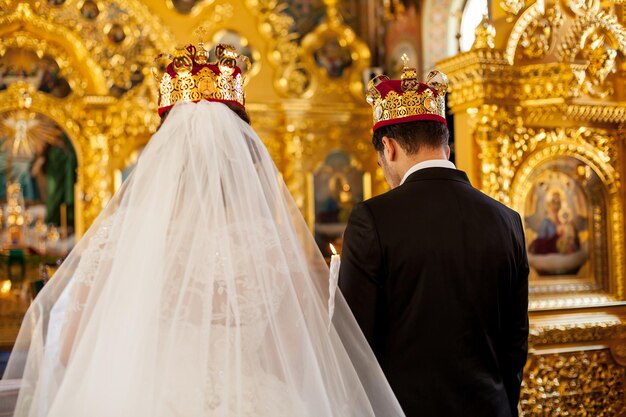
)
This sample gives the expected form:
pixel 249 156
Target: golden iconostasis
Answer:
pixel 536 105
pixel 83 68
pixel 541 93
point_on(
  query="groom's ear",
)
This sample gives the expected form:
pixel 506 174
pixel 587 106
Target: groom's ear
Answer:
pixel 389 151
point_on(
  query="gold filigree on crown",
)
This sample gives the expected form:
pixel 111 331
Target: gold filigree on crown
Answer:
pixel 187 76
pixel 407 99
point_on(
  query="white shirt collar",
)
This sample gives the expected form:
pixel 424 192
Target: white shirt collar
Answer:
pixel 431 163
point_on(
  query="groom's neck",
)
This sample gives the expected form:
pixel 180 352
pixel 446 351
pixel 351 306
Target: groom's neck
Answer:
pixel 406 162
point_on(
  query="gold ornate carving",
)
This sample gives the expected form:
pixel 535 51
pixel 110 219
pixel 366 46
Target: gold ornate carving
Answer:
pixel 570 300
pixel 98 61
pixel 595 39
pixel 583 7
pixel 512 6
pixel 485 33
pixel 308 142
pixel 510 151
pixel 577 333
pixel 321 103
pixel 334 37
pixel 112 109
pixel 540 35
pixel 25 40
pixel 485 76
pixel 293 79
pixel 221 13
pixel 579 383
pixel 609 113
pixel 524 115
pixel 465 70
pixel 194 9
pixel 619 349
pixel 509 148
pixel 114 53
pixel 550 97
pixel 54 34
pixel 100 133
pixel 535 32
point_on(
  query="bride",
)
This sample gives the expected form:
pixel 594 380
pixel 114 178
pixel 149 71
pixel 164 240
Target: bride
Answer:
pixel 198 291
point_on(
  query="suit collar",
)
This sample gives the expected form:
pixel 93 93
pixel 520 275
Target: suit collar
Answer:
pixel 429 163
pixel 437 173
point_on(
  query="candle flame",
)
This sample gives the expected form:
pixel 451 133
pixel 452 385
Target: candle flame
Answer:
pixel 5 286
pixel 332 248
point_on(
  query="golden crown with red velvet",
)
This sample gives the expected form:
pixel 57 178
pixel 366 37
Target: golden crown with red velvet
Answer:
pixel 188 76
pixel 407 100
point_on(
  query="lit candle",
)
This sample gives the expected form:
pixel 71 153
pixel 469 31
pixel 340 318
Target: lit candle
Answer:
pixel 335 262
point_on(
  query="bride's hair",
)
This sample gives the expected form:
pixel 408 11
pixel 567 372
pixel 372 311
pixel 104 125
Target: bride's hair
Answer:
pixel 243 115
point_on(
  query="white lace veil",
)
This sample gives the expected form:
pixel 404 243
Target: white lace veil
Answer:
pixel 198 291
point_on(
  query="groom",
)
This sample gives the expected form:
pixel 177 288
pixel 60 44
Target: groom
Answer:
pixel 435 271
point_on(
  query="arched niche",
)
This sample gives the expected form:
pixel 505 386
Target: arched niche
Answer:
pixel 571 208
pixel 336 186
pixel 22 98
pixel 38 178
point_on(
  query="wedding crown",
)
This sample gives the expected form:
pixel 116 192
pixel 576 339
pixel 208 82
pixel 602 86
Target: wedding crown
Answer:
pixel 187 76
pixel 407 100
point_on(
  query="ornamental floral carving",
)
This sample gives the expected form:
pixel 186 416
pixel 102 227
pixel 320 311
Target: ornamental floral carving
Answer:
pixel 505 142
pixel 595 40
pixel 512 6
pixel 587 383
pixel 539 35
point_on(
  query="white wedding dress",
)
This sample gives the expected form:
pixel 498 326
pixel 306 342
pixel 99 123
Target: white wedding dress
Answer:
pixel 198 291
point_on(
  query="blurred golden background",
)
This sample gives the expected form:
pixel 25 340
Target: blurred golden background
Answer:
pixel 536 110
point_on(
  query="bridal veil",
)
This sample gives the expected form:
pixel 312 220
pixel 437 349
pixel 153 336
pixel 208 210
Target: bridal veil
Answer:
pixel 198 291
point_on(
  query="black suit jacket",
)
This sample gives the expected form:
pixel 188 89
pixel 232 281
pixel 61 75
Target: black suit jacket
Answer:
pixel 436 275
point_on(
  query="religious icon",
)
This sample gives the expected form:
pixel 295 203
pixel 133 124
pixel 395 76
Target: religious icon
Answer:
pixel 126 81
pixel 306 15
pixel 51 81
pixel 23 65
pixel 334 58
pixel 338 186
pixel 37 179
pixel 601 53
pixel 557 224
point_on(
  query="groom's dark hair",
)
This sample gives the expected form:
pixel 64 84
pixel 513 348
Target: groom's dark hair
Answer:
pixel 412 136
